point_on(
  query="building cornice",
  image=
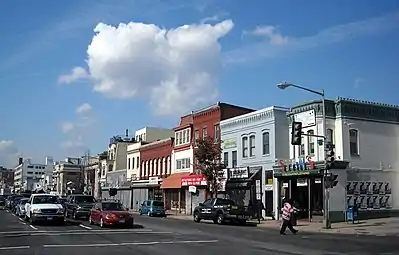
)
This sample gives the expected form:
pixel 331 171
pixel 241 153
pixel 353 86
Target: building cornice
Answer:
pixel 252 117
pixel 168 142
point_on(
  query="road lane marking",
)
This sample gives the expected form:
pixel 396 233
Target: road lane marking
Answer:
pixel 83 226
pixel 85 233
pixel 14 248
pixel 80 231
pixel 127 244
pixel 35 228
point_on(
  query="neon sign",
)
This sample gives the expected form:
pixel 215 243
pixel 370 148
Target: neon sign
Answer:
pixel 302 164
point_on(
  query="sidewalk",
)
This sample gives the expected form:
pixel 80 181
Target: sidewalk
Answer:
pixel 377 227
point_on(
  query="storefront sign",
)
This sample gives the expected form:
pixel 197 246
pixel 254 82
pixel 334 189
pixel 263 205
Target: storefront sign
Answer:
pixel 239 173
pixel 193 180
pixel 153 180
pixel 303 166
pixel 301 182
pixel 258 190
pixel 230 143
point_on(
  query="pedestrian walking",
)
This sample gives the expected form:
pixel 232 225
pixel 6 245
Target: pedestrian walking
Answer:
pixel 287 211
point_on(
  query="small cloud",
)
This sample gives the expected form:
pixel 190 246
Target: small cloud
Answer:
pixel 67 127
pixel 75 143
pixel 214 18
pixel 8 153
pixel 358 83
pixel 271 33
pixel 77 73
pixel 83 109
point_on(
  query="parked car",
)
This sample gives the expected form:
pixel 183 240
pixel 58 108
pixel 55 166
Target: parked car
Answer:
pixel 110 213
pixel 44 207
pixel 79 206
pixel 220 210
pixel 152 208
pixel 13 203
pixel 20 207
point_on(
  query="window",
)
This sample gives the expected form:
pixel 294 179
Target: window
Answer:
pixel 182 137
pixel 311 142
pixel 208 202
pixel 252 145
pixel 266 143
pixel 217 133
pixel 245 147
pixel 353 142
pixel 234 158
pixel 196 136
pixel 204 132
pixel 128 163
pixel 183 163
pixel 302 149
pixel 330 135
pixel 226 159
pixel 132 163
pixel 137 162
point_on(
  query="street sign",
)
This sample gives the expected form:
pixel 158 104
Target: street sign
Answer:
pixel 258 190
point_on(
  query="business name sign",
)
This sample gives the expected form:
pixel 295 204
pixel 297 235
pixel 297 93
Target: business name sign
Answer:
pixel 302 166
pixel 193 180
pixel 239 173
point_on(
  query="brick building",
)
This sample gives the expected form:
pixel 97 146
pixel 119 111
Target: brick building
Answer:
pixel 200 123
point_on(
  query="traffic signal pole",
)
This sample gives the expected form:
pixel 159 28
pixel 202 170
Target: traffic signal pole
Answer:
pixel 327 222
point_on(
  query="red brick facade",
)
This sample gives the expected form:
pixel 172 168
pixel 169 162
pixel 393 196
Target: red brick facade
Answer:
pixel 207 120
pixel 155 159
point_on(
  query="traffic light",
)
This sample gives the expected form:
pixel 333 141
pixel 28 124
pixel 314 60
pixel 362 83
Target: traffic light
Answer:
pixel 296 133
pixel 112 192
pixel 330 181
pixel 330 156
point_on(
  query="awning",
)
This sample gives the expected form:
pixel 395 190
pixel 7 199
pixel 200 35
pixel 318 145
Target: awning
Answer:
pixel 173 181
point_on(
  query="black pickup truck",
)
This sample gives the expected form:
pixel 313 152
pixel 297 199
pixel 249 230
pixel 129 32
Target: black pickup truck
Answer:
pixel 221 210
pixel 79 206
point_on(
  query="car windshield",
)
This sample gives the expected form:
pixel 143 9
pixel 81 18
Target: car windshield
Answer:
pixel 113 207
pixel 23 201
pixel 225 202
pixel 157 203
pixel 45 200
pixel 84 199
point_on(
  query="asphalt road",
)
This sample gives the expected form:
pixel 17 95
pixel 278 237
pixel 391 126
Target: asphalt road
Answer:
pixel 158 236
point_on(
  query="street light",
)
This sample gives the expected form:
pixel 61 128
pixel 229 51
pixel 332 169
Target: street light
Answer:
pixel 285 85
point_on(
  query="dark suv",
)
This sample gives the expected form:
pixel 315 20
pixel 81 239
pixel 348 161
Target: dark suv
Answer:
pixel 79 206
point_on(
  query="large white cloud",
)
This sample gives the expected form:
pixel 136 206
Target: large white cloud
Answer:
pixel 8 153
pixel 176 69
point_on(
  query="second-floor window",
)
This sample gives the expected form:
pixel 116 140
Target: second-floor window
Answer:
pixel 204 132
pixel 245 147
pixel 266 143
pixel 137 162
pixel 196 136
pixel 330 136
pixel 183 163
pixel 353 142
pixel 311 142
pixel 132 163
pixel 128 163
pixel 217 133
pixel 252 146
pixel 226 159
pixel 234 158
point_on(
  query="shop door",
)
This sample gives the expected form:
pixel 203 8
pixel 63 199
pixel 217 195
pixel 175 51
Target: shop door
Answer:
pixel 269 203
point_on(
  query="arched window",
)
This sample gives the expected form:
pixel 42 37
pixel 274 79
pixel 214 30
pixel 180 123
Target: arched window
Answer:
pixel 252 145
pixel 266 143
pixel 245 147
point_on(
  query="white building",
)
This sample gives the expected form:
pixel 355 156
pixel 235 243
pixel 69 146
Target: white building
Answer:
pixel 68 176
pixel 366 135
pixel 28 175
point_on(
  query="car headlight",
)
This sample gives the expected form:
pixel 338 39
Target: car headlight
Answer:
pixel 109 216
pixel 37 211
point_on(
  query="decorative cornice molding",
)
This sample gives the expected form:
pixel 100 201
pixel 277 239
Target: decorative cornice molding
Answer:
pixel 252 117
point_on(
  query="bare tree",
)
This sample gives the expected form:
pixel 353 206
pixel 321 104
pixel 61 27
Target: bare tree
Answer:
pixel 208 162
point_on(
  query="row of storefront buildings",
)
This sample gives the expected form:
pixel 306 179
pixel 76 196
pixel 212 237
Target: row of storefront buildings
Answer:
pixel 262 166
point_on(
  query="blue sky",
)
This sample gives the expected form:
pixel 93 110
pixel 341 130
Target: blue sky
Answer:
pixel 139 75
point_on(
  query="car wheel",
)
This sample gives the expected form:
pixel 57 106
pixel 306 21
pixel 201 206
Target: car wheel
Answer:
pixel 196 217
pixel 220 218
pixel 90 220
pixel 102 225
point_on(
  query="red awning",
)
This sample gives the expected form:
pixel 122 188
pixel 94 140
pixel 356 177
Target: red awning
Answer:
pixel 173 181
pixel 193 180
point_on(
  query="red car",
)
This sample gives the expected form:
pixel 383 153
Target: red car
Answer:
pixel 109 213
